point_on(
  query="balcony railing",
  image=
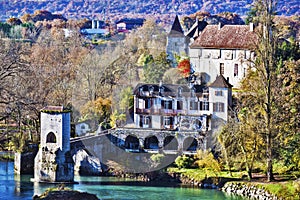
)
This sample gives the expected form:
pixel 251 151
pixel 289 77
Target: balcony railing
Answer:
pixel 153 111
pixel 170 112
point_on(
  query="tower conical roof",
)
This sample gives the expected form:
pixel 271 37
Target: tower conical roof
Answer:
pixel 176 29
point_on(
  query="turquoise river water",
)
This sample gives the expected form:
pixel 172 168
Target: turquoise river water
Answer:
pixel 106 188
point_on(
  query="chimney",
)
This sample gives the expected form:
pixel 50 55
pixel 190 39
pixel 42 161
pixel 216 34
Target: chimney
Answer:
pixel 220 26
pixel 251 27
pixel 93 24
pixel 98 24
pixel 160 83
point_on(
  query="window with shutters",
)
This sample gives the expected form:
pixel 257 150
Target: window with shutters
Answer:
pixel 218 107
pixel 222 68
pixel 168 121
pixel 193 105
pixel 179 105
pixel 165 104
pixel 218 93
pixel 204 105
pixel 236 70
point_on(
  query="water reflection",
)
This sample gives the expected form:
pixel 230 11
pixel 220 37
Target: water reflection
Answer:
pixel 106 188
pixel 23 185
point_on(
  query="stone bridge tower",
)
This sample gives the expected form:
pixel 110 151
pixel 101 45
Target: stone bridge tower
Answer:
pixel 54 163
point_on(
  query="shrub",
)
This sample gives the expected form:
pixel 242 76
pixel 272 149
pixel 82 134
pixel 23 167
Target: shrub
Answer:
pixel 207 161
pixel 184 161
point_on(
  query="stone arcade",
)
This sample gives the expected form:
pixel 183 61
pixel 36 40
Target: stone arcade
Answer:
pixel 54 163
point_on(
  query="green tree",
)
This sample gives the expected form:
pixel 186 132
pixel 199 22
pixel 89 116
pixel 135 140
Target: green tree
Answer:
pixel 184 161
pixel 154 68
pixel 289 113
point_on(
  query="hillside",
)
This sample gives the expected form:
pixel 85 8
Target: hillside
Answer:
pixel 116 8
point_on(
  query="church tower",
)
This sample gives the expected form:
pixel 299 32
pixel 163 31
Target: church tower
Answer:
pixel 177 42
pixel 54 163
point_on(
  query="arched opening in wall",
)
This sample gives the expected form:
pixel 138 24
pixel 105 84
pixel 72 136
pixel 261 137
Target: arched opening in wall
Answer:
pixel 170 143
pixel 185 124
pixel 51 138
pixel 190 144
pixel 197 124
pixel 151 142
pixel 131 142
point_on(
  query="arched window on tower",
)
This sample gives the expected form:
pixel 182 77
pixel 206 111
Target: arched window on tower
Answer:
pixel 51 138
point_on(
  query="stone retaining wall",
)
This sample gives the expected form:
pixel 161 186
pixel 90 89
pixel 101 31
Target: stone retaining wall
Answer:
pixel 247 191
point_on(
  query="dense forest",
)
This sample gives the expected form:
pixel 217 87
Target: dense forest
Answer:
pixel 39 66
pixel 114 9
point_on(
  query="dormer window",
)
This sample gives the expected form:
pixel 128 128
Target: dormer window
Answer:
pixel 179 92
pixel 193 92
pixel 151 89
pixel 161 90
pixel 141 91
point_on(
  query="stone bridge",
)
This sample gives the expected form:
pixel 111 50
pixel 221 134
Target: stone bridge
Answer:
pixel 143 140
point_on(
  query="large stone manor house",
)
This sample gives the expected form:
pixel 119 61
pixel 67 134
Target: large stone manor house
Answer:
pixel 219 56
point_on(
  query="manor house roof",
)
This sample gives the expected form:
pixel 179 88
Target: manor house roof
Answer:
pixel 226 37
pixel 169 90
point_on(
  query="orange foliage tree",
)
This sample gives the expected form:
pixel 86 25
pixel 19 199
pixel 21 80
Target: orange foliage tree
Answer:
pixel 184 67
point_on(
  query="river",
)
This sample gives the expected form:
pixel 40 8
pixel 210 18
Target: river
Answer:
pixel 106 188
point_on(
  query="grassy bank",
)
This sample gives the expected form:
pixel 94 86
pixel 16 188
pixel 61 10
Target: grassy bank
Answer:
pixel 285 186
pixel 285 190
pixel 201 174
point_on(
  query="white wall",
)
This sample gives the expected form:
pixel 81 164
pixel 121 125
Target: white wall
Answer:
pixel 222 99
pixel 208 61
pixel 59 124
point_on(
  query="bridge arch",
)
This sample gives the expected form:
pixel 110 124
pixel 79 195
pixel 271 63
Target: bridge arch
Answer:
pixel 190 144
pixel 151 142
pixel 132 142
pixel 170 143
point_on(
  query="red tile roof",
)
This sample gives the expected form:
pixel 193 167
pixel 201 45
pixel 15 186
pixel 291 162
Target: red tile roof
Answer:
pixel 226 37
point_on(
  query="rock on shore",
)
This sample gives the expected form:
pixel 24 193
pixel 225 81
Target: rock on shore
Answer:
pixel 85 164
pixel 247 191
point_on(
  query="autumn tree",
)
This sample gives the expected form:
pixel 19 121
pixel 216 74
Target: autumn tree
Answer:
pixel 259 86
pixel 98 111
pixel 184 67
pixel 12 67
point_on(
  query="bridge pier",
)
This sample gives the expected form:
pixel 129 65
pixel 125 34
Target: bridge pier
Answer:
pixel 141 142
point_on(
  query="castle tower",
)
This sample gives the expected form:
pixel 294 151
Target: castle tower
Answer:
pixel 220 96
pixel 53 163
pixel 177 42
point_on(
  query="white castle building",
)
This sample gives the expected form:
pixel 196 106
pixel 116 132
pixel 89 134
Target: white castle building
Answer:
pixel 214 49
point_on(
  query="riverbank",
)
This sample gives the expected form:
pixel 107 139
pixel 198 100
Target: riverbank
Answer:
pixel 283 188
